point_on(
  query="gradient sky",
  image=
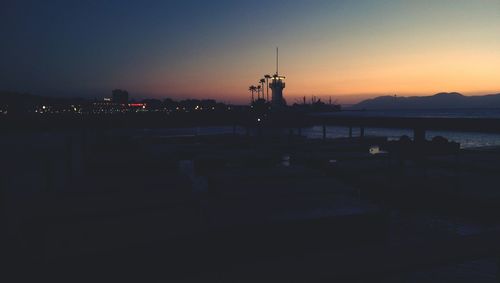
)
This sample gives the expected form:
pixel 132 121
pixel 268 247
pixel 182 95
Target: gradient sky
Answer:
pixel 216 49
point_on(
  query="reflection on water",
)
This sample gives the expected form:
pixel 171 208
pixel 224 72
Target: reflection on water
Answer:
pixel 375 149
pixel 285 161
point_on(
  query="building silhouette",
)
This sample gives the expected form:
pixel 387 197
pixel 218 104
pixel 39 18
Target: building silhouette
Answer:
pixel 277 85
pixel 120 96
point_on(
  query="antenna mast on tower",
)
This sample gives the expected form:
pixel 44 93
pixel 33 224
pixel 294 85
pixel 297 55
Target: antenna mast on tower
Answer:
pixel 277 84
pixel 277 60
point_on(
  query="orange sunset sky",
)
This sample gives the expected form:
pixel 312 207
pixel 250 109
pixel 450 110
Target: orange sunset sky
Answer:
pixel 349 50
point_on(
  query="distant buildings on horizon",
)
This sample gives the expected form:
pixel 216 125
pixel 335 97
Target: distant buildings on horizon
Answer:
pixel 119 102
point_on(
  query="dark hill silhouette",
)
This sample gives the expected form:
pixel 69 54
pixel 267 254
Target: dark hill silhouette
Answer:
pixel 441 100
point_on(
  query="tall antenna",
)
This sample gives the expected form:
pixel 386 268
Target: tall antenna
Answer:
pixel 277 60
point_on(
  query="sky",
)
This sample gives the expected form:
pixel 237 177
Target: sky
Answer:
pixel 349 50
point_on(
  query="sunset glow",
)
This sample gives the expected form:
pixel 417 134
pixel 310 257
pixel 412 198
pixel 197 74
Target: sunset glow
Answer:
pixel 345 49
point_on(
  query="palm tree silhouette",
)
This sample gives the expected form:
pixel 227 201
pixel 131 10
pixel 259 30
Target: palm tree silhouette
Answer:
pixel 252 89
pixel 262 82
pixel 267 77
pixel 258 91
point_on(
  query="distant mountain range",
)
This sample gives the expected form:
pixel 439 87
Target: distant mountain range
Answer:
pixel 444 100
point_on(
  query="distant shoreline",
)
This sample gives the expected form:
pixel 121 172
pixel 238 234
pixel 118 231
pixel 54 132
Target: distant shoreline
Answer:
pixel 444 100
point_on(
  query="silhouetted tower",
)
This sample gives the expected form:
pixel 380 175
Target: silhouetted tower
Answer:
pixel 120 96
pixel 277 85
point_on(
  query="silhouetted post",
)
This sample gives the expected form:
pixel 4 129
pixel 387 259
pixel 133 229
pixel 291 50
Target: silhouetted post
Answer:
pixel 362 132
pixel 324 132
pixel 350 132
pixel 299 131
pixel 234 129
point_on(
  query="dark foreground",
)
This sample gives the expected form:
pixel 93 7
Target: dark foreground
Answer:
pixel 108 206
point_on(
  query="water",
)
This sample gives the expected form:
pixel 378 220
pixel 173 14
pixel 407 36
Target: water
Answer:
pixel 424 113
pixel 466 139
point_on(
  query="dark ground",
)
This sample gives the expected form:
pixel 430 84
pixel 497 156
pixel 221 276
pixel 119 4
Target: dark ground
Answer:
pixel 114 206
